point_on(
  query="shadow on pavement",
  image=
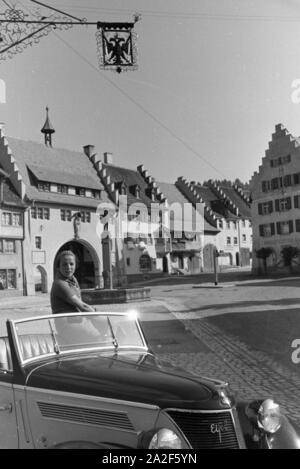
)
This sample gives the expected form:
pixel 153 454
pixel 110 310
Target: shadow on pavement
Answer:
pixel 271 332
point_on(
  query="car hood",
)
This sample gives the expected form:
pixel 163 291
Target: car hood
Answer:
pixel 136 377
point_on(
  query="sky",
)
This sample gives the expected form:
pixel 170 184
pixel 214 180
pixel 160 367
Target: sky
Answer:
pixel 214 78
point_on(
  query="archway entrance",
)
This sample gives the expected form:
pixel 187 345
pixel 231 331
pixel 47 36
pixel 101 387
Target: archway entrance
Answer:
pixel 40 280
pixel 85 263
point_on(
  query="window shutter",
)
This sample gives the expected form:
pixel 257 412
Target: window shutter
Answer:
pixel 278 227
pixel 259 209
pixel 287 180
pixel 270 206
pixel 296 201
pixel 298 225
pixel 277 205
pixel 264 186
pixel 288 203
pixel 261 230
pixel 291 226
pixel 272 229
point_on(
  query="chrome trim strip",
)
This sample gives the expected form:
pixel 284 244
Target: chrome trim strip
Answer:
pixel 232 411
pixel 88 396
pixel 63 353
pixel 67 315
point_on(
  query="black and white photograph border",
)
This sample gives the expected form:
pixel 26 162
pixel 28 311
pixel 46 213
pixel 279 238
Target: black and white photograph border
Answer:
pixel 149 227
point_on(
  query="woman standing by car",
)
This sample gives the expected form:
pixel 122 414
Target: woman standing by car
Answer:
pixel 65 293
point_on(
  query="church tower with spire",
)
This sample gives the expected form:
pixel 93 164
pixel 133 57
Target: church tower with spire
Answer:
pixel 48 130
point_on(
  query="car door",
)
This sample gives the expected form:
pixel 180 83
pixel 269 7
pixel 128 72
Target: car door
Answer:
pixel 8 424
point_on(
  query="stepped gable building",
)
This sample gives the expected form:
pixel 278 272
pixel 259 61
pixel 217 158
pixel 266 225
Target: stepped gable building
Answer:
pixel 275 190
pixel 228 209
pixel 62 191
pixel 138 204
pixel 11 238
pixel 196 231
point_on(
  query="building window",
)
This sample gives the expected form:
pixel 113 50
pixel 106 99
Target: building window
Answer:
pixel 235 241
pixel 97 194
pixel 280 161
pixel 145 263
pixel 244 223
pixel 38 242
pixel 62 189
pixel 11 219
pixel 85 217
pixel 128 261
pixel 44 186
pixel 65 215
pixel 296 178
pixel 282 205
pixel 40 213
pixel 228 225
pixel 235 225
pixel 7 246
pixel 221 224
pixel 6 219
pixel 244 238
pixel 266 186
pixel 8 279
pixel 265 208
pixel 285 227
pixel 228 241
pixel 80 191
pixel 267 230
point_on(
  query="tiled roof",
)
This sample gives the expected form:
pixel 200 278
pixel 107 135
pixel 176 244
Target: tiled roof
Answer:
pixel 173 195
pixel 130 177
pixel 209 198
pixel 10 196
pixel 244 209
pixel 74 168
pixel 64 199
pixel 63 177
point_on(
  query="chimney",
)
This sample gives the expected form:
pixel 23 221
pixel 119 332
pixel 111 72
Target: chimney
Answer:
pixel 89 150
pixel 108 158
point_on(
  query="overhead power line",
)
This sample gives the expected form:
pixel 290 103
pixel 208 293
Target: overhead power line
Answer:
pixel 185 15
pixel 142 108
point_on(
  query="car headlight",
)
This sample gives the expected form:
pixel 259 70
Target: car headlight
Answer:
pixel 269 416
pixel 165 439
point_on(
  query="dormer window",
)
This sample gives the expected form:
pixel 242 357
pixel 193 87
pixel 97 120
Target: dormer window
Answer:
pixel 44 186
pixel 135 190
pixel 150 193
pixel 62 189
pixel 121 187
pixel 80 191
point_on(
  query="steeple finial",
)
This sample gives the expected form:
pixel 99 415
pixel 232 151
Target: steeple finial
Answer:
pixel 48 129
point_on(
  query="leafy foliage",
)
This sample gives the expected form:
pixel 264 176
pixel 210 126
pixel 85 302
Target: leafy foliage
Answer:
pixel 289 253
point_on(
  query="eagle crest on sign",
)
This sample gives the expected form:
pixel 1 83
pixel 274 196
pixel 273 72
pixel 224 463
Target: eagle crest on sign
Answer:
pixel 117 46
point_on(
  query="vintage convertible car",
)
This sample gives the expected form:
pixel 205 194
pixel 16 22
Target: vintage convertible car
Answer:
pixel 90 380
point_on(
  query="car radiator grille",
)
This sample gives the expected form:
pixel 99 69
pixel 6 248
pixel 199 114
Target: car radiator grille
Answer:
pixel 84 415
pixel 205 430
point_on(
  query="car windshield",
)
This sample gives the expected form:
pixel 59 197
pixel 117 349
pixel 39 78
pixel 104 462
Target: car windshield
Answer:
pixel 67 333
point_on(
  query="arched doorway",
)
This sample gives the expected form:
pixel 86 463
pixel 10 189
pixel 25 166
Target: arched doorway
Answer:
pixel 86 260
pixel 40 280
